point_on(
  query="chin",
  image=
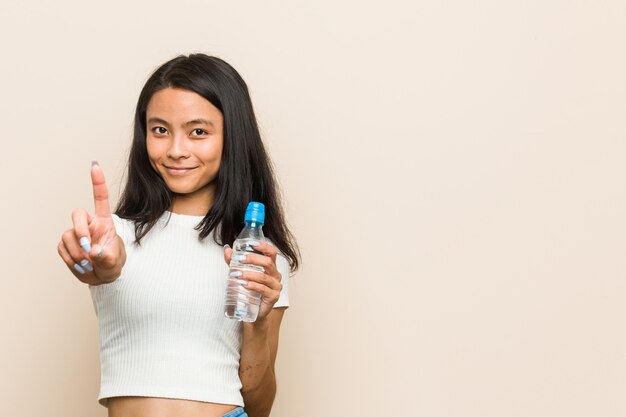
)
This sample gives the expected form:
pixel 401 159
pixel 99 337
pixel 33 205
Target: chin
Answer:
pixel 178 188
pixel 186 187
pixel 181 190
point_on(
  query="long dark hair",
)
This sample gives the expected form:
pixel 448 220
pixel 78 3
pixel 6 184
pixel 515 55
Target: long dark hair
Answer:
pixel 245 173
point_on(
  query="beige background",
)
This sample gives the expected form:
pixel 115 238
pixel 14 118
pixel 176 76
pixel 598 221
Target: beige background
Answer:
pixel 454 172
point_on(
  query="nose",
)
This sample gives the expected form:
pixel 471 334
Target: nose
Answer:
pixel 178 147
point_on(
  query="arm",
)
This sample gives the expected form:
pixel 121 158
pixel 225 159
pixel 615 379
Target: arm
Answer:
pixel 258 357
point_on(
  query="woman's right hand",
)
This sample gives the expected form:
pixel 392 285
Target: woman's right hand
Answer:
pixel 92 250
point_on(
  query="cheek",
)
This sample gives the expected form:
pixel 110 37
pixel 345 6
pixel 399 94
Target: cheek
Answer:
pixel 153 148
pixel 218 150
pixel 217 160
pixel 212 153
pixel 154 153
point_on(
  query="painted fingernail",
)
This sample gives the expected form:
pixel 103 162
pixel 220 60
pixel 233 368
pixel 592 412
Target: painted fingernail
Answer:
pixel 100 252
pixel 226 246
pixel 79 268
pixel 242 281
pixel 253 243
pixel 240 258
pixel 236 274
pixel 85 264
pixel 84 243
pixel 94 163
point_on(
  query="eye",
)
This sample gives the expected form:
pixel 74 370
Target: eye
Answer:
pixel 159 130
pixel 198 132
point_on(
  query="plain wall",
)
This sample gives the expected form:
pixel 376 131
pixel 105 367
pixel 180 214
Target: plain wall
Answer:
pixel 453 171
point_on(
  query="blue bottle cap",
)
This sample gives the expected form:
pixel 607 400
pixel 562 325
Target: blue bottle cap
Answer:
pixel 255 213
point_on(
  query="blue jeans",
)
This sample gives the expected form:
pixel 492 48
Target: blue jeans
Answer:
pixel 237 412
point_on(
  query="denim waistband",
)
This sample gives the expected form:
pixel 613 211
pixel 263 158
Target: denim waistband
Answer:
pixel 237 412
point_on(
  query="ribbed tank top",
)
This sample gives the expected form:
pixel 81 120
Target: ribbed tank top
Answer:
pixel 162 328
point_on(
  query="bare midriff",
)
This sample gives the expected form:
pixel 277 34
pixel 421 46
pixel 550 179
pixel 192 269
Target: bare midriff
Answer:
pixel 164 407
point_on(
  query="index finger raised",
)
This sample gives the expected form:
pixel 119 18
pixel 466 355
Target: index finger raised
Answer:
pixel 100 191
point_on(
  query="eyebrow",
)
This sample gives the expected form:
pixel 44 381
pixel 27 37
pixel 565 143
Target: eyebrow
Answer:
pixel 189 123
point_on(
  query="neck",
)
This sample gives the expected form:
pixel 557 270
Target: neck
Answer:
pixel 192 205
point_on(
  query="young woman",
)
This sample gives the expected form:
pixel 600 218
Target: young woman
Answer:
pixel 157 270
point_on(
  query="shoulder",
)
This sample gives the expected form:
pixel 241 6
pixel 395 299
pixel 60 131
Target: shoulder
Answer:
pixel 124 228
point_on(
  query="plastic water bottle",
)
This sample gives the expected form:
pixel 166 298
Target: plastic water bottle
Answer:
pixel 242 304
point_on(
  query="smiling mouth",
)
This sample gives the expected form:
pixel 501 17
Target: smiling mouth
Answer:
pixel 178 171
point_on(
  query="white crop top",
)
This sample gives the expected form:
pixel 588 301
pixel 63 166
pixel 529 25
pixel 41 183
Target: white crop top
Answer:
pixel 162 327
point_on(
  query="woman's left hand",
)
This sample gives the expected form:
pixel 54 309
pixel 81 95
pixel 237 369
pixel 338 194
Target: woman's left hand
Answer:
pixel 267 283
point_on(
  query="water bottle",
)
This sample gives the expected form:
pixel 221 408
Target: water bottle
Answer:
pixel 242 304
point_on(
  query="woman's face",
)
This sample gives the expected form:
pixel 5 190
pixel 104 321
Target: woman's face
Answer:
pixel 184 140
